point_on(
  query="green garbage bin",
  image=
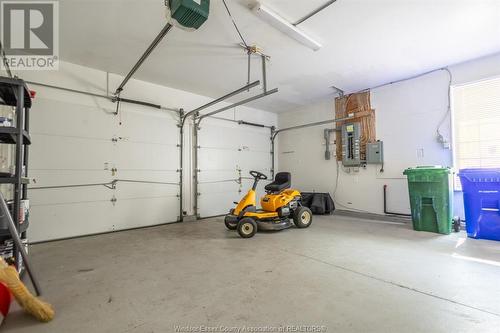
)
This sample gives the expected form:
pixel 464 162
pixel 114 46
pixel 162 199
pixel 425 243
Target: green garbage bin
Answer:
pixel 431 198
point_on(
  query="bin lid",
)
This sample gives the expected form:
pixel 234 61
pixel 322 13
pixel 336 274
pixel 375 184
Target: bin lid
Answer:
pixel 480 173
pixel 428 169
pixel 479 170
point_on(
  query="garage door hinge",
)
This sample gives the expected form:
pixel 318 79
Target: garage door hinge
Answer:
pixel 113 200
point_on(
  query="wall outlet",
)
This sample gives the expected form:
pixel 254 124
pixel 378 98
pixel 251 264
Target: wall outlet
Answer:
pixel 442 140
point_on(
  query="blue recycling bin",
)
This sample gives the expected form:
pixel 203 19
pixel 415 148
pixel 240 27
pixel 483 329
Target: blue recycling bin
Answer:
pixel 481 189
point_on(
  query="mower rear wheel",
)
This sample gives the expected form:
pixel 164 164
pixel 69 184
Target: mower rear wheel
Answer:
pixel 302 217
pixel 246 227
pixel 230 225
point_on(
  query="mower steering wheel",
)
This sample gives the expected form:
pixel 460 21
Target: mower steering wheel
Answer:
pixel 258 175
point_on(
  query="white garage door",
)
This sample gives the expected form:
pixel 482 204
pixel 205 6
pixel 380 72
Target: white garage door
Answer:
pixel 225 149
pixel 84 145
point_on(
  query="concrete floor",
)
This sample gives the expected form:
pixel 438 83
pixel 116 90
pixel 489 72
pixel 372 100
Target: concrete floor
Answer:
pixel 347 274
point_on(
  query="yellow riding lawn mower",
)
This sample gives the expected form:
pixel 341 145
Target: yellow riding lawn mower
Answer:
pixel 279 205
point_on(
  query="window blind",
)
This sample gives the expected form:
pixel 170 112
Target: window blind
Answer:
pixel 476 115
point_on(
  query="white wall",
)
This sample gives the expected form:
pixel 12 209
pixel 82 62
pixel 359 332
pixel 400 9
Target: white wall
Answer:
pixel 72 134
pixel 407 115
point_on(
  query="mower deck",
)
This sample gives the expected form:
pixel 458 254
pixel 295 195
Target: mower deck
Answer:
pixel 274 225
pixel 264 223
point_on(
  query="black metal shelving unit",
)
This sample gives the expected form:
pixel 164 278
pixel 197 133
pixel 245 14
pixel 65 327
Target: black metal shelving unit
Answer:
pixel 15 93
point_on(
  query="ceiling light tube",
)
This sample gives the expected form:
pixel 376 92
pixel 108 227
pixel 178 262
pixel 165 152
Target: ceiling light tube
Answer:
pixel 284 26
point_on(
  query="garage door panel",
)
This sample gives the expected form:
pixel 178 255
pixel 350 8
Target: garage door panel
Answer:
pixel 141 212
pixel 217 133
pixel 44 177
pixel 165 176
pixel 246 184
pixel 124 190
pixel 225 148
pixel 70 220
pixel 218 203
pixel 255 161
pixel 218 188
pixel 245 173
pixel 217 199
pixel 156 126
pixel 205 176
pixel 215 159
pixel 129 190
pixel 50 152
pixel 57 196
pixel 59 118
pixel 237 144
pixel 94 216
pixel 145 156
pixel 226 160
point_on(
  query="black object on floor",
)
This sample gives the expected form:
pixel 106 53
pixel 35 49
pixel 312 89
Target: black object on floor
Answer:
pixel 319 203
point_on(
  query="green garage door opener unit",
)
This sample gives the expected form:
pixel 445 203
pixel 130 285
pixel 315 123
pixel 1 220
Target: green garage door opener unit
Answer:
pixel 187 14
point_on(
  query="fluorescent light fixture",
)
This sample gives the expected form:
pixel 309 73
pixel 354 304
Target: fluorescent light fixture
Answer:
pixel 284 26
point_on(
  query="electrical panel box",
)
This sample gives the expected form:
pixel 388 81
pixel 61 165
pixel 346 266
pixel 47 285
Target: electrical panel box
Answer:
pixel 351 144
pixel 375 153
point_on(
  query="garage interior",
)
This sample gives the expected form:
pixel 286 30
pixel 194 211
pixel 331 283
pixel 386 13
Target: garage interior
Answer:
pixel 250 166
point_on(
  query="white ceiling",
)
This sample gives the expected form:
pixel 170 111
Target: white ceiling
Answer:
pixel 365 43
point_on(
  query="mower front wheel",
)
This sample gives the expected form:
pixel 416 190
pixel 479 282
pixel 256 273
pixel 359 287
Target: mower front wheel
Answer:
pixel 229 223
pixel 247 227
pixel 302 217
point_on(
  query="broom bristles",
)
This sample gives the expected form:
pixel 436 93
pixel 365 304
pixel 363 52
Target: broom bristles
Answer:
pixel 31 304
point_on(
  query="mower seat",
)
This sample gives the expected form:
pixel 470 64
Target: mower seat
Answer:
pixel 282 181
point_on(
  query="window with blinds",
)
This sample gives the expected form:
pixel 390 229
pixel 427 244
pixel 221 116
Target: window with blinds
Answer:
pixel 476 119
